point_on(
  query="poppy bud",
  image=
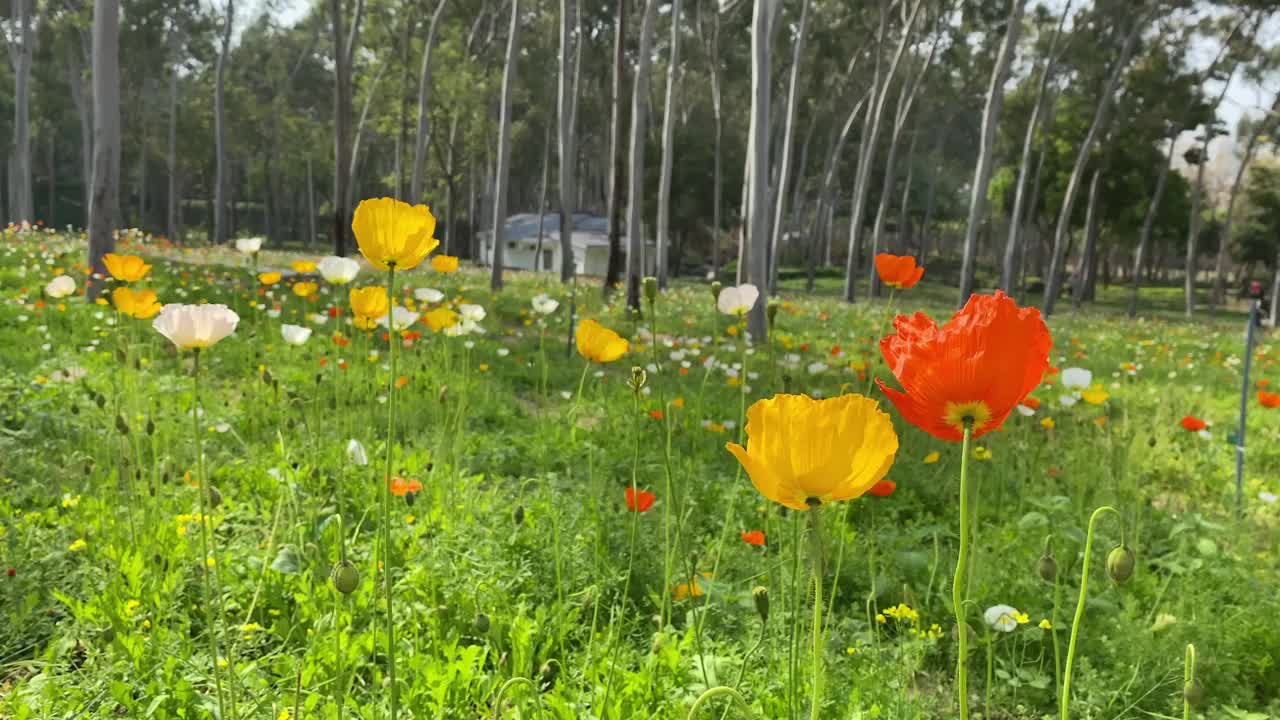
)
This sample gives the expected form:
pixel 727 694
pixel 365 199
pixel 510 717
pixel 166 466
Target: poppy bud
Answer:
pixel 638 379
pixel 650 285
pixel 786 383
pixel 267 378
pixel 122 427
pixel 518 515
pixel 771 311
pixel 215 497
pixel 547 674
pixel 410 498
pixel 100 399
pixel 715 290
pixel 1048 568
pixel 481 623
pixel 760 596
pixel 444 393
pixel 1120 562
pixel 151 426
pixel 1193 692
pixel 345 577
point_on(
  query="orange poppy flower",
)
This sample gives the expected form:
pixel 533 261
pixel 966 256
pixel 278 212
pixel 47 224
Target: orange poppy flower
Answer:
pixel 639 501
pixel 1031 402
pixel 1191 423
pixel 401 487
pixel 656 414
pixel 1269 399
pixel 884 488
pixel 898 271
pixel 753 537
pixel 971 371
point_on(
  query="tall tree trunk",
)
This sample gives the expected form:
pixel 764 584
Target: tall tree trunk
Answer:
pixel 821 240
pixel 106 131
pixel 21 49
pixel 542 199
pixel 1224 237
pixel 668 147
pixel 504 146
pixel 343 50
pixel 565 142
pixel 220 129
pixel 717 191
pixel 84 111
pixel 450 173
pixel 986 150
pixel 424 98
pixel 758 151
pixel 1193 226
pixel 871 136
pixel 311 207
pixel 1024 161
pixel 1062 229
pixel 350 200
pixel 1084 272
pixel 51 170
pixel 788 132
pixel 171 154
pixel 635 175
pixel 931 197
pixel 613 274
pixel 903 239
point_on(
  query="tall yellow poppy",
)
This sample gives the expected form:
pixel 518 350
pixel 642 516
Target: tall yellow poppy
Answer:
pixel 140 304
pixel 394 233
pixel 801 450
pixel 440 319
pixel 369 302
pixel 302 267
pixel 125 268
pixel 444 263
pixel 598 343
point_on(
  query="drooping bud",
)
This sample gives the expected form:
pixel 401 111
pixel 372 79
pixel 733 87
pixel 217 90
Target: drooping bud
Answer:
pixel 547 674
pixel 1120 563
pixel 1047 568
pixel 650 285
pixel 215 497
pixel 517 515
pixel 1193 692
pixel 760 596
pixel 481 623
pixel 715 290
pixel 345 577
pixel 771 311
pixel 122 427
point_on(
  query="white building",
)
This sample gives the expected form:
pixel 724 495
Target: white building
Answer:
pixel 590 244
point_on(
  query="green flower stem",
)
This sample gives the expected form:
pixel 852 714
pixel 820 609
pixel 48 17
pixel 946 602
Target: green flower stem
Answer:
pixel 577 399
pixel 958 582
pixel 631 554
pixel 513 682
pixel 1188 677
pixel 815 552
pixel 792 685
pixel 1053 633
pixel 339 697
pixel 714 692
pixel 214 618
pixel 1075 624
pixel 386 491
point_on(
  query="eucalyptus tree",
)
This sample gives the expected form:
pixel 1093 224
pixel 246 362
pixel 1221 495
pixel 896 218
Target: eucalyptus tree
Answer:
pixel 635 160
pixel 788 132
pixel 565 138
pixel 21 46
pixel 668 145
pixel 219 125
pixel 421 137
pixel 500 189
pixel 344 46
pixel 758 150
pixel 106 135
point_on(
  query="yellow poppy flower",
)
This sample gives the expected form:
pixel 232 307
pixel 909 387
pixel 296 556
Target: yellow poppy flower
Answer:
pixel 440 318
pixel 598 343
pixel 392 233
pixel 269 278
pixel 369 302
pixel 139 304
pixel 125 268
pixel 305 289
pixel 801 450
pixel 1095 395
pixel 1047 423
pixel 303 266
pixel 444 263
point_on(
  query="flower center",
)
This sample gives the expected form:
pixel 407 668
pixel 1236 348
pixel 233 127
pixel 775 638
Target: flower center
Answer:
pixel 973 414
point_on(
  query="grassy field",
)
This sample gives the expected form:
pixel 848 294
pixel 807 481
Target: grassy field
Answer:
pixel 524 586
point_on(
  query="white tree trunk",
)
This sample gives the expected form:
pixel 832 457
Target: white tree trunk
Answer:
pixel 1082 278
pixel 565 143
pixel 106 131
pixel 1100 115
pixel 220 129
pixel 1224 237
pixel 424 98
pixel 82 101
pixel 635 176
pixel 542 200
pixel 871 135
pixel 20 52
pixel 171 154
pixel 788 132
pixel 1024 162
pixel 504 146
pixel 1193 226
pixel 353 171
pixel 757 222
pixel 986 151
pixel 668 147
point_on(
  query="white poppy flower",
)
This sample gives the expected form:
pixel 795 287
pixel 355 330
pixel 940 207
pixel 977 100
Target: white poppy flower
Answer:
pixel 295 334
pixel 1027 411
pixel 738 300
pixel 195 326
pixel 338 270
pixel 401 317
pixel 60 287
pixel 356 454
pixel 1074 378
pixel 474 313
pixel 544 305
pixel 428 295
pixel 1067 400
pixel 1001 618
pixel 249 245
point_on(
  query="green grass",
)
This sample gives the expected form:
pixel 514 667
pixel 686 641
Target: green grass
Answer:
pixel 512 562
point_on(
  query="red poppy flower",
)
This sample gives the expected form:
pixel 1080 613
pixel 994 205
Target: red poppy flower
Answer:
pixel 971 371
pixel 753 537
pixel 835 350
pixel 11 572
pixel 401 487
pixel 1191 423
pixel 333 311
pixel 656 414
pixel 884 488
pixel 898 271
pixel 1269 399
pixel 639 501
pixel 1031 402
pixel 1263 383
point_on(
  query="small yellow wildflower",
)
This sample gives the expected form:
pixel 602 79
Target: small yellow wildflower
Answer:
pixel 1047 423
pixel 880 619
pixel 78 545
pixel 1045 624
pixel 932 457
pixel 903 612
pixel 1021 617
pixel 69 500
pixel 1095 395
pixel 981 453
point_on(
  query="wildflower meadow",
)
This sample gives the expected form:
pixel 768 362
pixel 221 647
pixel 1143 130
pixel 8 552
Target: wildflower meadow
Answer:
pixel 248 483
